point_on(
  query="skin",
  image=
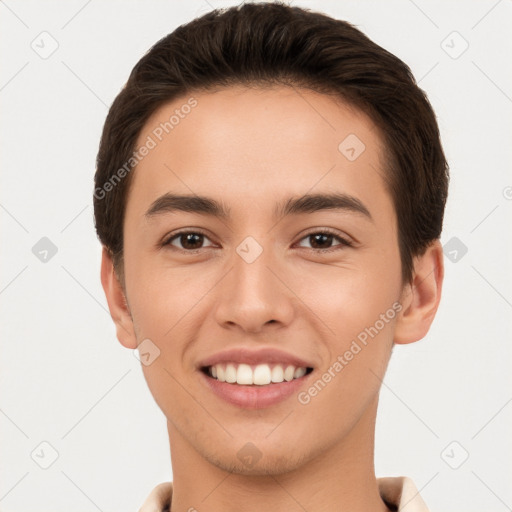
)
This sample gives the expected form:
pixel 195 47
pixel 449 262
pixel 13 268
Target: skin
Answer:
pixel 250 149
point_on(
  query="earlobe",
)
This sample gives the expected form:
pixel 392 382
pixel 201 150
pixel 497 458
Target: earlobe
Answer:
pixel 420 298
pixel 117 304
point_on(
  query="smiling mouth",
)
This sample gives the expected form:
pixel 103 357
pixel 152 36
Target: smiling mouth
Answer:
pixel 255 375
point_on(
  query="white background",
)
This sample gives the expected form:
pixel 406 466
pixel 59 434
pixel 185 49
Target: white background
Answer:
pixel 66 381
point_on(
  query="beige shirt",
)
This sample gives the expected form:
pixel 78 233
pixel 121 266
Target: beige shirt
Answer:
pixel 398 492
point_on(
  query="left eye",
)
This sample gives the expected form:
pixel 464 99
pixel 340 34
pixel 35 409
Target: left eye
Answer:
pixel 325 237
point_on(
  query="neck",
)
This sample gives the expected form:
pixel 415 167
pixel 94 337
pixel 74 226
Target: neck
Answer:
pixel 341 477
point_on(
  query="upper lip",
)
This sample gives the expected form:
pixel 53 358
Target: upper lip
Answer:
pixel 261 356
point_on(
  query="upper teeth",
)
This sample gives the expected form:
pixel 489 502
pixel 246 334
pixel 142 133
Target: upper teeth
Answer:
pixel 261 374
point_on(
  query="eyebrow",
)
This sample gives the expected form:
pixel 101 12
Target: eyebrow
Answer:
pixel 309 203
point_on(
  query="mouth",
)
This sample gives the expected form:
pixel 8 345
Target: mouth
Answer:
pixel 255 379
pixel 254 386
pixel 255 375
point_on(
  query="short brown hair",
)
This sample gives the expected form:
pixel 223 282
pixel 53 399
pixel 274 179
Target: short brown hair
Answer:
pixel 276 44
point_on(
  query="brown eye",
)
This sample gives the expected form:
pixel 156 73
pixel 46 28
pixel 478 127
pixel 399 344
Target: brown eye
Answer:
pixel 323 240
pixel 188 240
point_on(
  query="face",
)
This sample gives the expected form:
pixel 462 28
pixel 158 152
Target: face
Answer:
pixel 315 285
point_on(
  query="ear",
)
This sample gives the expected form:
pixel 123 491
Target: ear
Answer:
pixel 117 304
pixel 420 298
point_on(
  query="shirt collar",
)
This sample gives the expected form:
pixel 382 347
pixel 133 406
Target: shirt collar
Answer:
pixel 397 491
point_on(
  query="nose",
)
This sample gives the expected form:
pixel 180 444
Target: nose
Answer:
pixel 254 294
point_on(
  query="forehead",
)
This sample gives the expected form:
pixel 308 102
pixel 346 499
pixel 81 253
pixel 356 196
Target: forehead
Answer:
pixel 254 145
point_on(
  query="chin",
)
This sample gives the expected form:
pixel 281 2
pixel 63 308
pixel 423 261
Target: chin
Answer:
pixel 250 461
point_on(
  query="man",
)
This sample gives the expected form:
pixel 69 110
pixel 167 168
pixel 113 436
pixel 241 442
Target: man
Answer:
pixel 269 193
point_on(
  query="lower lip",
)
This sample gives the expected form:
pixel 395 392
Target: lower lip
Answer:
pixel 254 397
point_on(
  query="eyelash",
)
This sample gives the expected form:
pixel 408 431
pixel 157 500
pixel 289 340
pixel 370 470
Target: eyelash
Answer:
pixel 343 241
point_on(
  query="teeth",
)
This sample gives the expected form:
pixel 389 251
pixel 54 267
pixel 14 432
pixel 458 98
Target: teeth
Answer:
pixel 288 373
pixel 277 374
pixel 261 375
pixel 244 374
pixel 230 373
pixel 299 372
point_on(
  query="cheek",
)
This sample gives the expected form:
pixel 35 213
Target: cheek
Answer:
pixel 351 300
pixel 362 323
pixel 360 309
pixel 350 378
pixel 162 296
